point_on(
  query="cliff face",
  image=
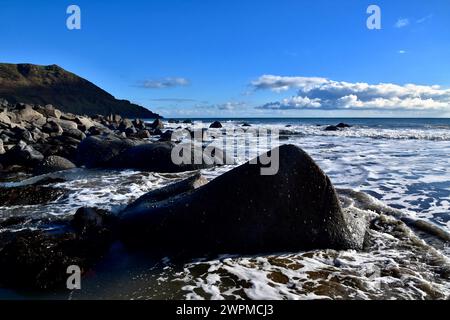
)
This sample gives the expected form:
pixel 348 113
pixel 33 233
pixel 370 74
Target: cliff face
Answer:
pixel 43 85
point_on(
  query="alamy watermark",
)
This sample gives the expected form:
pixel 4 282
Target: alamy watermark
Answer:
pixel 374 20
pixel 74 280
pixel 226 147
pixel 73 22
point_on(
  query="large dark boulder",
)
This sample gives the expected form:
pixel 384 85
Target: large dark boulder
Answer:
pixel 243 211
pixel 157 157
pixel 97 151
pixel 54 164
pixel 29 195
pixel 22 154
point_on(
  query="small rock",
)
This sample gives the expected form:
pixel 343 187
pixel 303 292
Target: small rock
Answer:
pixel 125 124
pixel 343 125
pixel 52 128
pixel 331 128
pixel 216 125
pixel 144 134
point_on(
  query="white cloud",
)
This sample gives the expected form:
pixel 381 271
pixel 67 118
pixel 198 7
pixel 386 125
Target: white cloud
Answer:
pixel 231 106
pixel 424 19
pixel 401 23
pixel 278 84
pixel 325 94
pixel 402 51
pixel 164 83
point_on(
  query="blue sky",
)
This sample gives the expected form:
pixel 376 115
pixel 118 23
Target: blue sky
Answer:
pixel 236 58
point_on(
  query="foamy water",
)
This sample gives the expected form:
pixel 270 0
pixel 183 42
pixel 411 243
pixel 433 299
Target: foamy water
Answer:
pixel 406 169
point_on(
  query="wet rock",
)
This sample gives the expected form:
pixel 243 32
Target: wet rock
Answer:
pixel 144 134
pixel 4 119
pixel 125 124
pixel 22 134
pixel 245 212
pixel 2 149
pixel 52 128
pixel 166 136
pixel 39 260
pixel 139 124
pixel 245 124
pixel 187 121
pixel 157 124
pixel 156 157
pixel 343 125
pixel 29 195
pixel 65 124
pixel 22 154
pixel 12 221
pixel 172 190
pixel 84 123
pixel 74 133
pixel 50 111
pixel 54 164
pixel 129 132
pixel 27 113
pixel 98 151
pixel 89 220
pixel 331 128
pixel 216 125
pixel 156 132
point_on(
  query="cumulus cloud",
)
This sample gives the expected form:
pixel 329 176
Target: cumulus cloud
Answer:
pixel 322 93
pixel 164 83
pixel 401 23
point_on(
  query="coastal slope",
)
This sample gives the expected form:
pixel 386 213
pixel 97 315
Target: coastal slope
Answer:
pixel 52 84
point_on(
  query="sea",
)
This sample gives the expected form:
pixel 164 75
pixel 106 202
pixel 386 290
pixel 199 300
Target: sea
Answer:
pixel 396 171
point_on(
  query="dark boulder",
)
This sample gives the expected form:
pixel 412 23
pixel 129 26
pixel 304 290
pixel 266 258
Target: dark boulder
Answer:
pixel 22 154
pixel 157 124
pixel 156 132
pixel 243 211
pixel 216 125
pixel 52 128
pixel 157 157
pixel 39 260
pixel 74 133
pixel 172 190
pixel 166 136
pixel 246 124
pixel 29 195
pixel 92 220
pixel 331 128
pixel 187 121
pixel 144 134
pixel 54 164
pixel 125 124
pixel 97 151
pixel 343 125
